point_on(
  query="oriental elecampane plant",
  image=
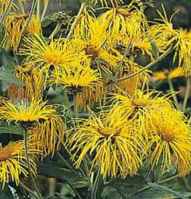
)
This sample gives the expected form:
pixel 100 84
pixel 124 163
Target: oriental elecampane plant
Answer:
pixel 86 110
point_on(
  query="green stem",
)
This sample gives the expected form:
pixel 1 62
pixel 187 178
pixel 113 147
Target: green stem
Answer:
pixel 55 31
pixel 189 120
pixel 28 163
pixel 97 186
pixel 28 190
pixel 161 57
pixel 38 8
pixel 83 6
pixel 34 3
pixel 44 10
pixel 173 93
pixel 187 94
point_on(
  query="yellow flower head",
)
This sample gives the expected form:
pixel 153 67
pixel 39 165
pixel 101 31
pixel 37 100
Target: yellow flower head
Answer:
pixel 160 75
pixel 34 26
pixel 83 81
pixel 183 49
pixel 173 74
pixel 111 144
pixel 138 107
pixel 163 34
pixel 13 162
pixel 26 111
pixel 169 142
pixel 13 31
pixel 4 5
pixel 130 85
pixel 125 26
pixel 55 53
pixel 34 80
pixel 107 3
pixel 93 35
pixel 48 135
pixel 141 101
pixel 76 76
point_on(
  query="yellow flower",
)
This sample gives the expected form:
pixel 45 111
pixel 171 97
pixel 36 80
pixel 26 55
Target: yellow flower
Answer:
pixel 48 132
pixel 173 74
pixel 48 135
pixel 138 107
pixel 81 80
pixel 76 76
pixel 183 49
pixel 130 85
pixel 34 80
pixel 13 28
pixel 127 27
pixel 169 142
pixel 4 5
pixel 34 26
pixel 93 35
pixel 160 75
pixel 55 53
pixel 26 111
pixel 140 101
pixel 163 33
pixel 111 143
pixel 13 162
pixel 114 3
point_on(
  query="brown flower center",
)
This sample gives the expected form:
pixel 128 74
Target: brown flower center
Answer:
pixel 106 132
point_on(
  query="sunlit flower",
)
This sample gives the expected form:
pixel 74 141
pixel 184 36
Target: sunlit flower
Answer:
pixel 183 49
pixel 34 26
pixel 76 76
pixel 83 81
pixel 26 111
pixel 111 143
pixel 48 135
pixel 41 120
pixel 34 81
pixel 163 33
pixel 13 31
pixel 165 36
pixel 169 142
pixel 130 85
pixel 4 5
pixel 54 53
pixel 126 27
pixel 13 162
pixel 138 107
pixel 113 3
pixel 93 33
pixel 172 74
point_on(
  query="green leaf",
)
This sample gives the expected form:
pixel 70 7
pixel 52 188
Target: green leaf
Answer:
pixel 55 170
pixel 11 129
pixel 6 193
pixel 167 189
pixel 97 187
pixel 7 70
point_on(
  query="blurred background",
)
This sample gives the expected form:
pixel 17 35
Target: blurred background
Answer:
pixel 181 19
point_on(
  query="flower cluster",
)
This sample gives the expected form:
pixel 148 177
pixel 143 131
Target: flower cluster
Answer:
pixel 97 66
